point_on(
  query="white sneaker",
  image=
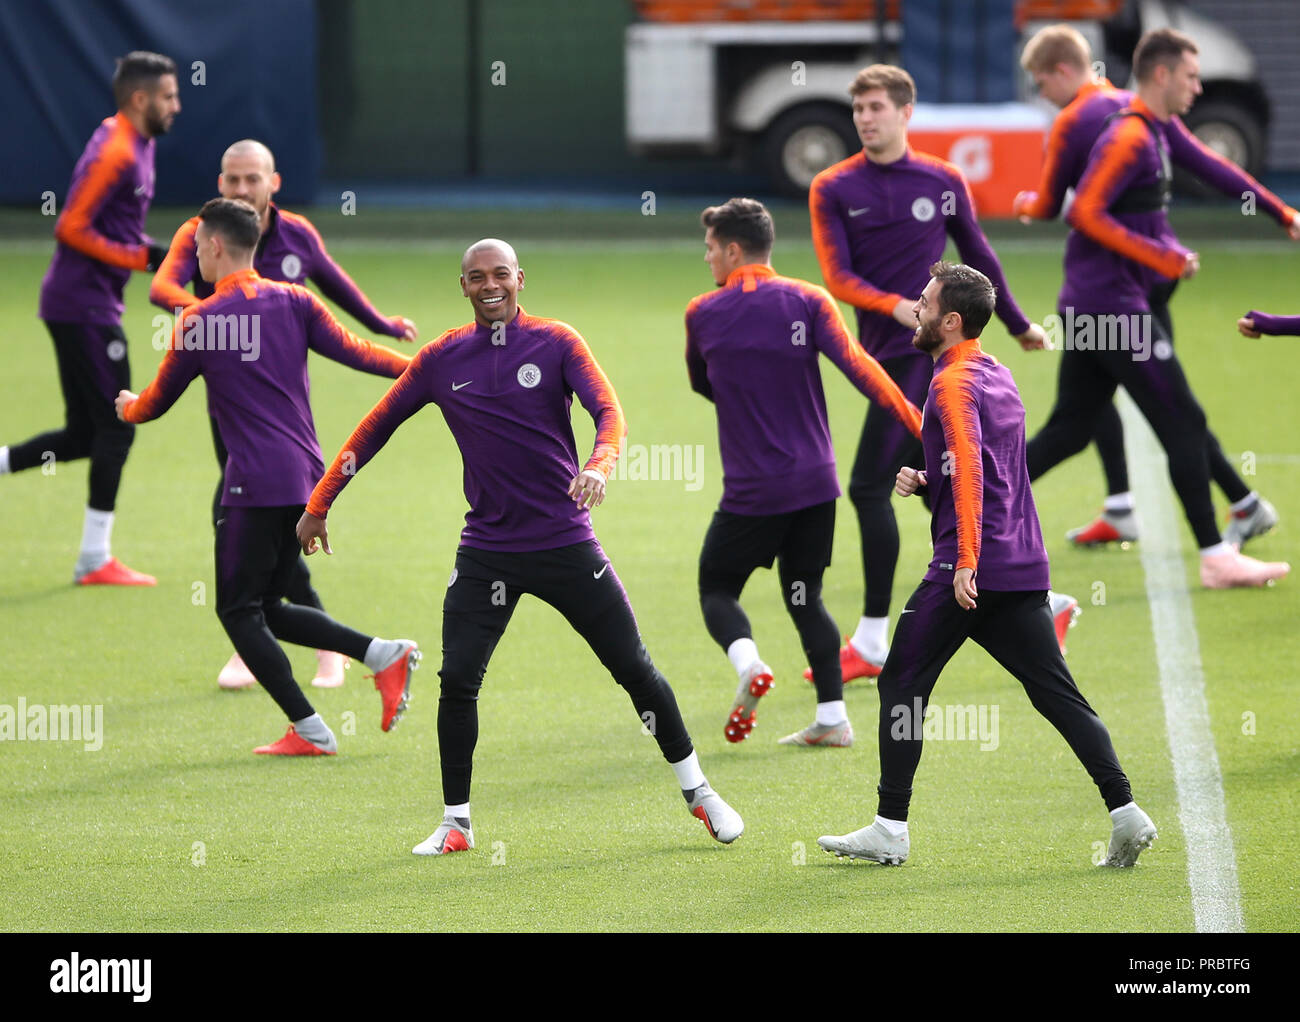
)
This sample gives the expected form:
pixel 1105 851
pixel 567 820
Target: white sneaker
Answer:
pixel 832 736
pixel 1244 525
pixel 872 842
pixel 1131 832
pixel 723 822
pixel 450 836
pixel 756 683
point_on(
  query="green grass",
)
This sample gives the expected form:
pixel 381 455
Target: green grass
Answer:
pixel 174 824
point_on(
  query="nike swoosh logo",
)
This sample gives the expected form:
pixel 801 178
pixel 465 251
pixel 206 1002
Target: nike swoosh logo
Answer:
pixel 902 612
pixel 140 190
pixel 458 386
pixel 597 574
pixel 859 212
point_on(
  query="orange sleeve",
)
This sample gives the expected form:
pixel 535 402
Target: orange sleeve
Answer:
pixel 1109 171
pixel 1045 203
pixel 959 414
pixel 168 287
pixel 831 243
pixel 583 375
pixel 836 343
pixel 76 224
pixel 176 372
pixel 412 391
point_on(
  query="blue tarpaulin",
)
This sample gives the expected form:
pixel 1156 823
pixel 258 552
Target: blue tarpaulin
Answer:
pixel 250 71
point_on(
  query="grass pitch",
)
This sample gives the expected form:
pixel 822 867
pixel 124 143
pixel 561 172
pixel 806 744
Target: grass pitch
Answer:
pixel 174 825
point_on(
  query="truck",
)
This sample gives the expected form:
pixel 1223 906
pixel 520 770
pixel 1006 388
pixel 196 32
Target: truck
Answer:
pixel 764 82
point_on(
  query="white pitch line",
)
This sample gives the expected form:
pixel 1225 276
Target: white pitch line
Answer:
pixel 1211 860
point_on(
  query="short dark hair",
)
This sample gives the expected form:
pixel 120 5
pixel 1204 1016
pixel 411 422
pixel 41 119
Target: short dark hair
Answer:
pixel 235 220
pixel 744 221
pixel 966 292
pixel 897 83
pixel 1162 46
pixel 139 69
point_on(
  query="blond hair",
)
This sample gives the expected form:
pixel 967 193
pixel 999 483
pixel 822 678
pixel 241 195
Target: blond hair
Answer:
pixel 1056 44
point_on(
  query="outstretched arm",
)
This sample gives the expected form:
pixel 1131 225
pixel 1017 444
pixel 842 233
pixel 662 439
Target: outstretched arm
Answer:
pixel 412 391
pixel 341 289
pixel 1254 324
pixel 832 338
pixel 176 371
pixel 329 337
pixel 167 290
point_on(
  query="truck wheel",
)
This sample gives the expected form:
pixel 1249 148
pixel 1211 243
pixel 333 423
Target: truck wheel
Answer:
pixel 1232 132
pixel 803 142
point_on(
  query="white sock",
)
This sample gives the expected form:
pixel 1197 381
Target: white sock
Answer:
pixel 1120 502
pixel 4 460
pixel 1239 505
pixel 743 654
pixel 382 653
pixel 689 774
pixel 871 640
pixel 316 731
pixel 894 828
pixel 96 540
pixel 1219 548
pixel 1127 805
pixel 832 713
pixel 460 811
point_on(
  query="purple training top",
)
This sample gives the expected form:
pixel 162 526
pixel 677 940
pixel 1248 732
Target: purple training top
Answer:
pixel 983 513
pixel 249 342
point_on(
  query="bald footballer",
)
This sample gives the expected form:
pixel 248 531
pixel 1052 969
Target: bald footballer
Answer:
pixel 505 384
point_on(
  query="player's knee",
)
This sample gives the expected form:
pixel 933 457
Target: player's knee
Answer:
pixel 461 678
pixel 113 441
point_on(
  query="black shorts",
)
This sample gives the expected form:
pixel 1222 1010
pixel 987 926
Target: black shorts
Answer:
pixel 739 544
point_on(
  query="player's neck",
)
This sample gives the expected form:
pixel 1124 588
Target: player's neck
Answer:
pixel 136 120
pixel 1155 102
pixel 227 267
pixel 950 341
pixel 891 155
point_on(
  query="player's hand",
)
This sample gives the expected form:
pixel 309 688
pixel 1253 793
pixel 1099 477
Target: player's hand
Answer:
pixel 904 314
pixel 310 530
pixel 157 253
pixel 409 330
pixel 587 489
pixel 963 587
pixel 124 398
pixel 1022 200
pixel 908 482
pixel 1033 339
pixel 1191 267
pixel 1246 327
pixel 1293 228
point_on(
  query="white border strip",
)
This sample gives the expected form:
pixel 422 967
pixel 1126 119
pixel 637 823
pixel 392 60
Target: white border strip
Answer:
pixel 1211 860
